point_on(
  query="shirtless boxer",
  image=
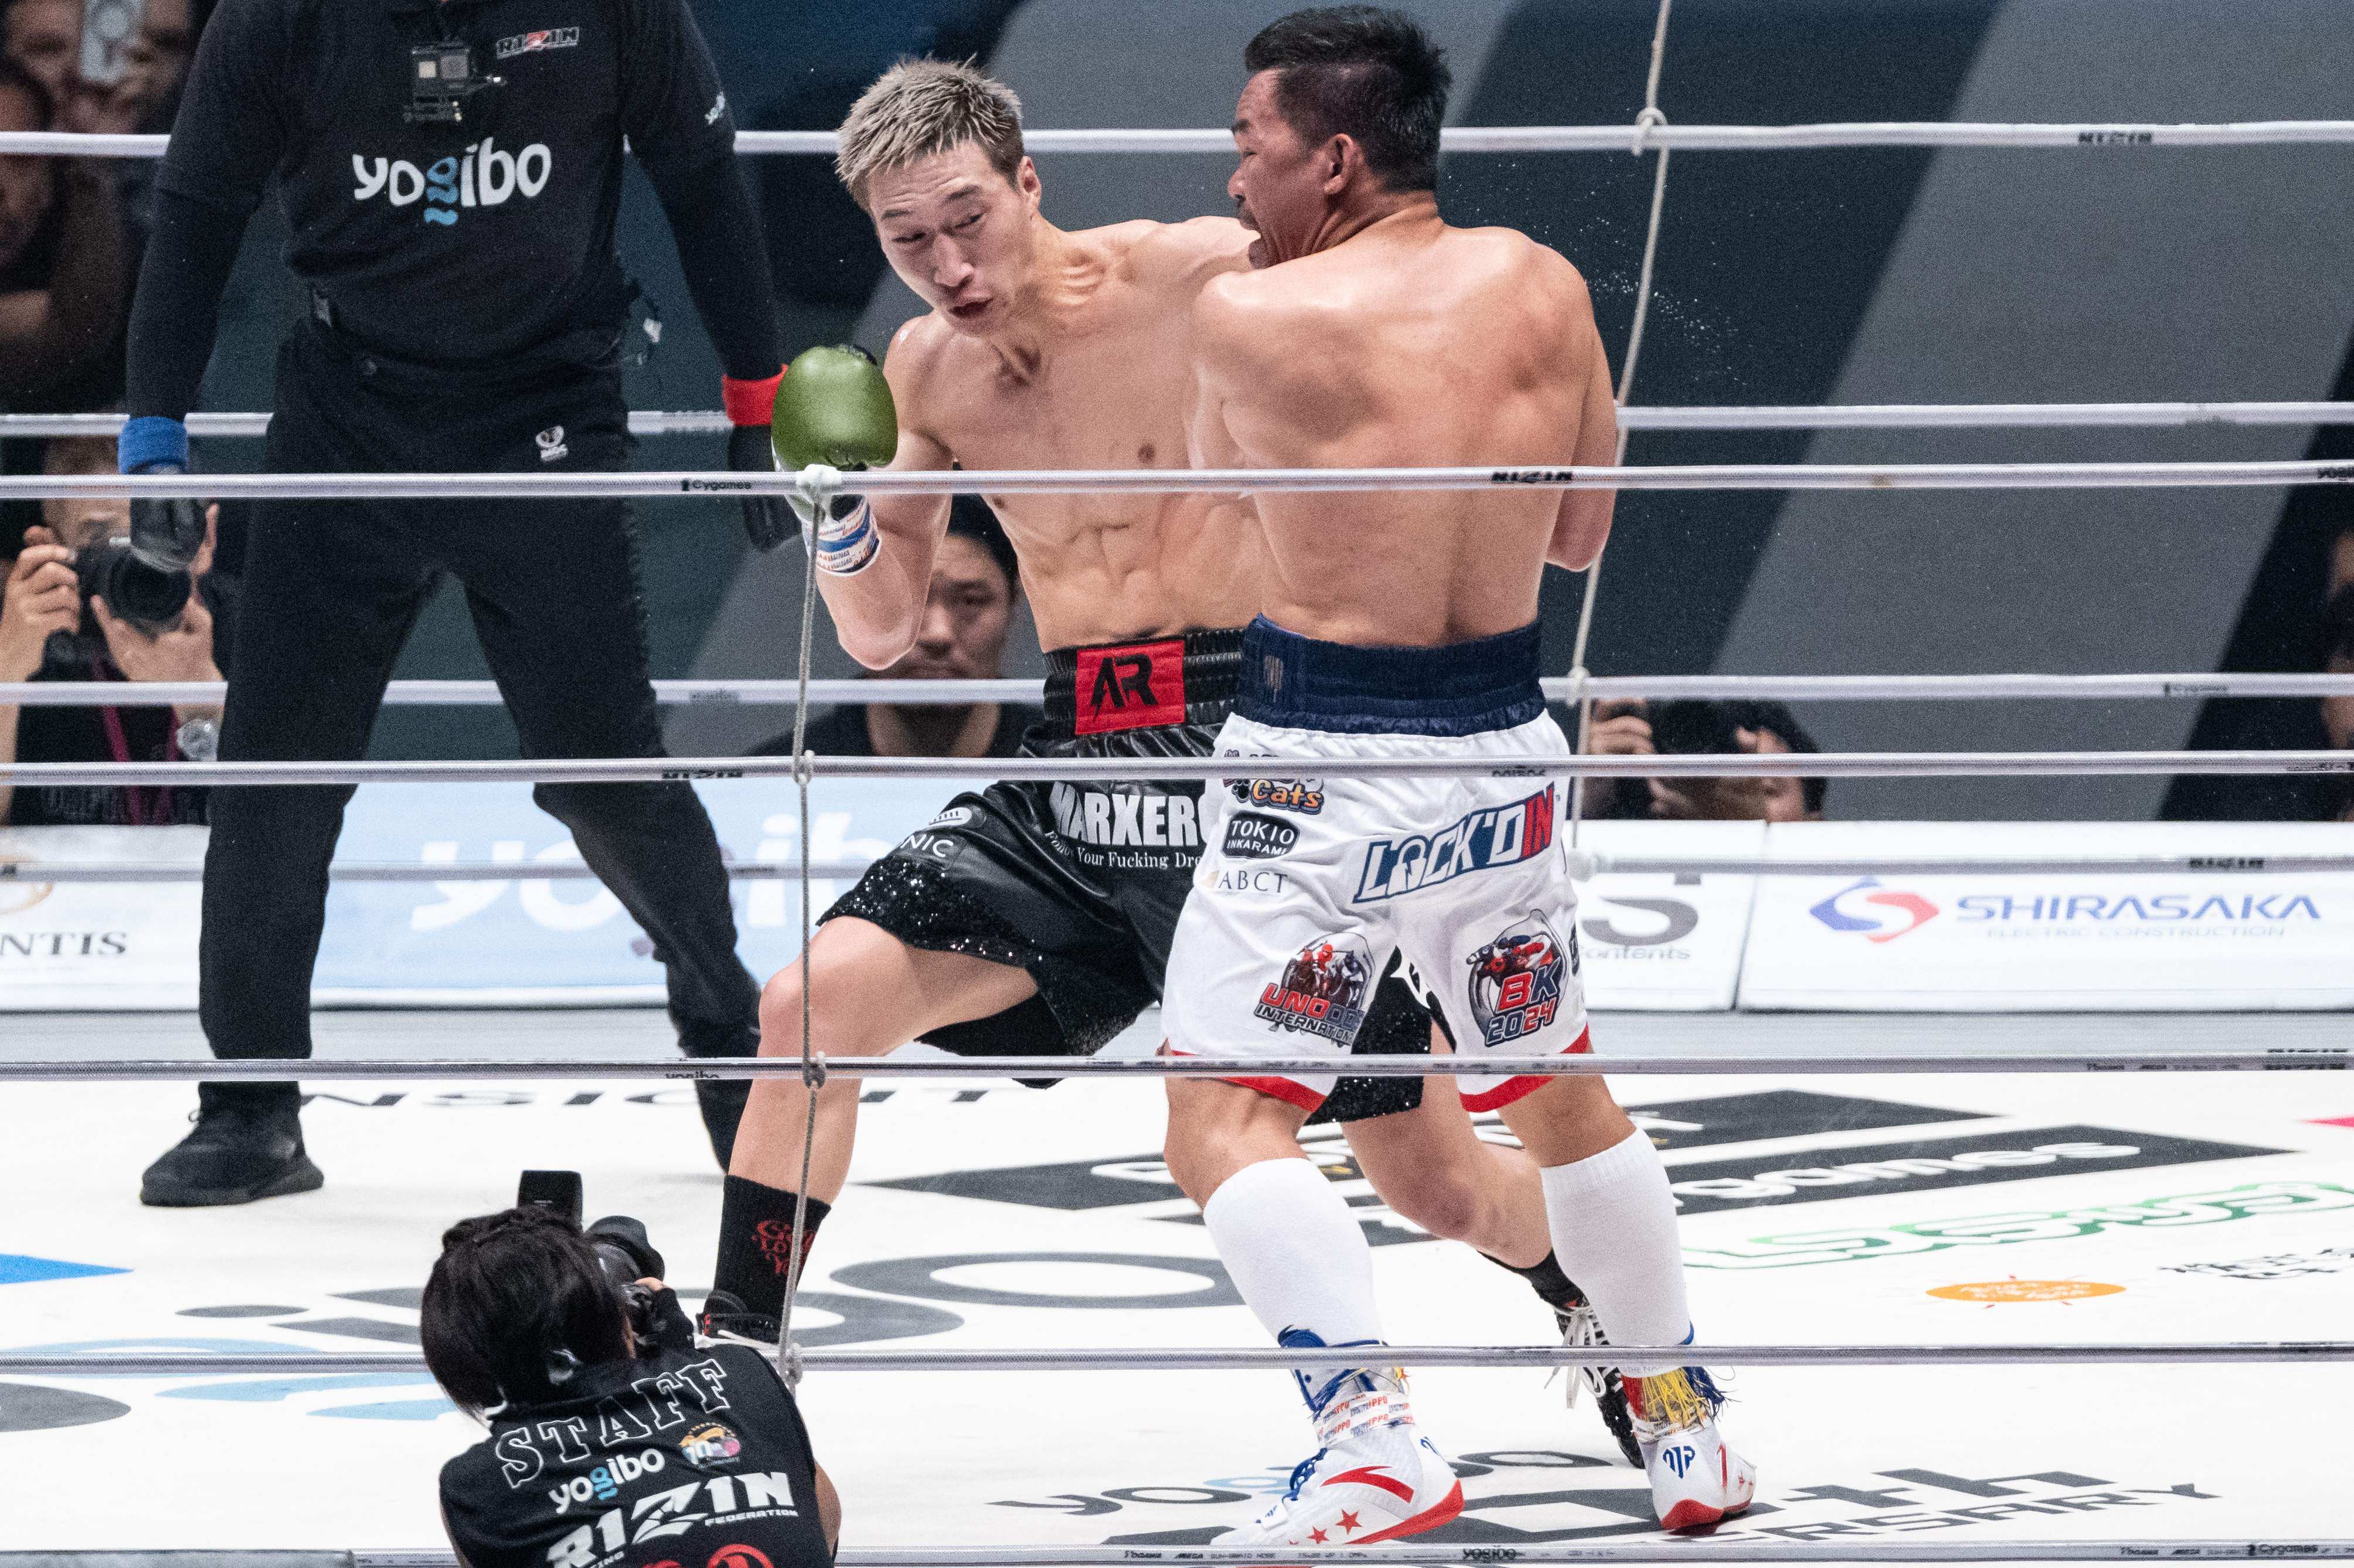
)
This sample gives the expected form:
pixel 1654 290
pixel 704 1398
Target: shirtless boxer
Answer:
pixel 1372 334
pixel 1031 919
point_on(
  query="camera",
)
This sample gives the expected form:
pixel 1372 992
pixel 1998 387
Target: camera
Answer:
pixel 619 1241
pixel 140 595
pixel 1691 727
pixel 441 78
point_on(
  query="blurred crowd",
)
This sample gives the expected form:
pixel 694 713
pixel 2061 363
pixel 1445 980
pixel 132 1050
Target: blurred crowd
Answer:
pixel 71 233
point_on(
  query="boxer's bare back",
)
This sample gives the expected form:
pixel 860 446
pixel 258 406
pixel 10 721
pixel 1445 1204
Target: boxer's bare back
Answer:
pixel 1079 357
pixel 1410 344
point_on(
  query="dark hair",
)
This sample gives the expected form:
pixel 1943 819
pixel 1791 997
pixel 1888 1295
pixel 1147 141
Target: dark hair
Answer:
pixel 15 78
pixel 511 1296
pixel 2338 625
pixel 971 518
pixel 1365 73
pixel 1693 724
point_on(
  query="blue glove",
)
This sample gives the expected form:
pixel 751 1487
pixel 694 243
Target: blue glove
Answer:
pixel 165 533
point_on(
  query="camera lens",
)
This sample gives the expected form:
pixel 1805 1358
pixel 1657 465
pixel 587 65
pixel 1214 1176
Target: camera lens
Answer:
pixel 150 600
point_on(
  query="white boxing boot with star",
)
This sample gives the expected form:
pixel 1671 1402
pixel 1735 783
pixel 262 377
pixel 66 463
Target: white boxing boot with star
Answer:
pixel 1697 1480
pixel 1373 1477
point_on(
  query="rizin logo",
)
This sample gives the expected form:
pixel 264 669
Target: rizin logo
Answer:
pixel 483 176
pixel 1911 909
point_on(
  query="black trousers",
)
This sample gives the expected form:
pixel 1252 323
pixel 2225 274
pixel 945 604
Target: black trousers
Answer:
pixel 332 588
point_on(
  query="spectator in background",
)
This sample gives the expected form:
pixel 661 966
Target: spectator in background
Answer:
pixel 44 37
pixel 1695 727
pixel 51 630
pixel 65 257
pixel 2338 712
pixel 2299 617
pixel 963 637
pixel 28 186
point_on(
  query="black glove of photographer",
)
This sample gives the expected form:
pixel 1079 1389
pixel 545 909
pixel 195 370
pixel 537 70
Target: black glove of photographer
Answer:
pixel 667 1326
pixel 768 521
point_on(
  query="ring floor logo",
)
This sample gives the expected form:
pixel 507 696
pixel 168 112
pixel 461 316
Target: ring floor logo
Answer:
pixel 1930 1159
pixel 1525 1497
pixel 1854 908
pixel 1799 1249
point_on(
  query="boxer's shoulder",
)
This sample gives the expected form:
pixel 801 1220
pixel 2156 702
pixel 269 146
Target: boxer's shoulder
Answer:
pixel 1196 249
pixel 920 351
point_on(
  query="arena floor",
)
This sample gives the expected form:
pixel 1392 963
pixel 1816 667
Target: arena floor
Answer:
pixel 2175 1208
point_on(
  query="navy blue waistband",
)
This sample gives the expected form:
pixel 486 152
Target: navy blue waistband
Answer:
pixel 1464 688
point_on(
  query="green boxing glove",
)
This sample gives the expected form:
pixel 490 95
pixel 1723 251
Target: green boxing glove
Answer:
pixel 833 413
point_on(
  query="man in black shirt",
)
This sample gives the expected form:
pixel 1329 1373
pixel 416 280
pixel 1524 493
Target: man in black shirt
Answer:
pixel 608 1447
pixel 969 608
pixel 451 170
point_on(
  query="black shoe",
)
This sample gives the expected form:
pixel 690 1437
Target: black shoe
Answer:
pixel 236 1155
pixel 721 1100
pixel 726 1317
pixel 1579 1328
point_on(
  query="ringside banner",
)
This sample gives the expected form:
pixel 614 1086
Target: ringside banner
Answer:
pixel 2236 938
pixel 1665 941
pixel 74 945
pixel 2222 933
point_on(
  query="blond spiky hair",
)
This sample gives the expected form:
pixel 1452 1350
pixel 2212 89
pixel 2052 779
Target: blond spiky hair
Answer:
pixel 921 107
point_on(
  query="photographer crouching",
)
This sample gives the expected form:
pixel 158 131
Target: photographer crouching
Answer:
pixel 613 1442
pixel 76 604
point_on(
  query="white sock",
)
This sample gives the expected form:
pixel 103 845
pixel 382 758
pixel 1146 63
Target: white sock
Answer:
pixel 1614 1229
pixel 1293 1251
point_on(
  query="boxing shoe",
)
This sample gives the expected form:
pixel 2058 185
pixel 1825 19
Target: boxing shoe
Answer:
pixel 1697 1480
pixel 727 1320
pixel 1373 1477
pixel 1579 1329
pixel 721 1100
pixel 236 1154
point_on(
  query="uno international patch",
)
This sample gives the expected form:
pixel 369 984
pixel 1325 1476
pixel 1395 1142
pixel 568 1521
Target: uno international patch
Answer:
pixel 1323 989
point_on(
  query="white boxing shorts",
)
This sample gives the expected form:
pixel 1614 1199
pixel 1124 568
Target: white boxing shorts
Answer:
pixel 1310 890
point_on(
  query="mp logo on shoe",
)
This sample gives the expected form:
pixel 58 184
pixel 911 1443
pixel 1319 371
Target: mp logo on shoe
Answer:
pixel 486 174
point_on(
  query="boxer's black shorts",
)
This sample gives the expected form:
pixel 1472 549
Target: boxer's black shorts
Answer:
pixel 1080 884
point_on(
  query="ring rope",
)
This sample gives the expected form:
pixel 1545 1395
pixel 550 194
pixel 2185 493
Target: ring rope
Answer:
pixel 1498 139
pixel 2266 1059
pixel 1081 1358
pixel 787 1354
pixel 1736 1546
pixel 927 693
pixel 1580 675
pixel 1149 769
pixel 1174 482
pixel 1757 417
pixel 1588 865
